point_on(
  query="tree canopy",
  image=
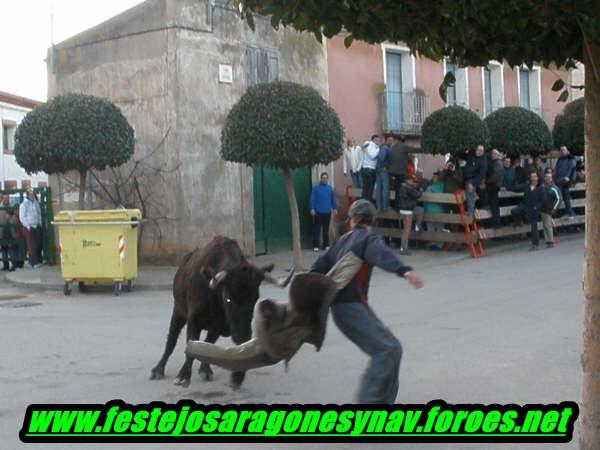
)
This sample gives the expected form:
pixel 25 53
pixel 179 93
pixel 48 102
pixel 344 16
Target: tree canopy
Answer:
pixel 518 131
pixel 453 130
pixel 73 132
pixel 282 125
pixel 568 127
pixel 470 33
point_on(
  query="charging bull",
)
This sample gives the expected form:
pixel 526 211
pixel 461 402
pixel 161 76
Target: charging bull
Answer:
pixel 214 289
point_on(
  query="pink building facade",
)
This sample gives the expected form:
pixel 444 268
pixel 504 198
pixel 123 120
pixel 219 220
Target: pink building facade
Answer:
pixel 383 89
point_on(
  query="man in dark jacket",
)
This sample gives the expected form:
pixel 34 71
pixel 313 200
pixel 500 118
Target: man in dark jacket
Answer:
pixel 564 175
pixel 382 180
pixel 509 177
pixel 399 156
pixel 533 200
pixel 494 177
pixel 452 177
pixel 351 312
pixel 474 173
pixel 407 202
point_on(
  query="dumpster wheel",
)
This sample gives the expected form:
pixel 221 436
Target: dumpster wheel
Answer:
pixel 128 287
pixel 67 288
pixel 118 288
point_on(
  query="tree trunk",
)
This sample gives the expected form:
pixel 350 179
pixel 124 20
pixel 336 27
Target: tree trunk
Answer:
pixel 82 188
pixel 291 193
pixel 590 355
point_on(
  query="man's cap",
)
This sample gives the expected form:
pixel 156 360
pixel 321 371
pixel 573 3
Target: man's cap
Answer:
pixel 361 208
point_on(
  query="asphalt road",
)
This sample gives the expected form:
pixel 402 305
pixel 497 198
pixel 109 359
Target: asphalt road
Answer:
pixel 503 329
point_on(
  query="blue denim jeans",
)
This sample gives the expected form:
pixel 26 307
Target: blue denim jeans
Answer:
pixel 382 189
pixel 358 322
pixel 356 179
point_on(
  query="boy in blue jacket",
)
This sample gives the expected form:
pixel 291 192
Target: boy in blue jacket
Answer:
pixel 322 204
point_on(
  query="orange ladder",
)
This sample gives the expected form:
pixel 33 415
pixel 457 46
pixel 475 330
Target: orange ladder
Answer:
pixel 472 232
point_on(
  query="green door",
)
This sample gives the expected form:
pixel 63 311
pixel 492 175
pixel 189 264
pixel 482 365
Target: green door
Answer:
pixel 272 221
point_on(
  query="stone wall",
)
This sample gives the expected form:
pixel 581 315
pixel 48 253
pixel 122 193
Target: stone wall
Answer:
pixel 159 62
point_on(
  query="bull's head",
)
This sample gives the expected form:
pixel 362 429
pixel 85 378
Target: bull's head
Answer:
pixel 238 289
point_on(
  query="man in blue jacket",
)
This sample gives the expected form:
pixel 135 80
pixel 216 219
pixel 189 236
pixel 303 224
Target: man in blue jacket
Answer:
pixel 564 177
pixel 351 312
pixel 474 173
pixel 322 204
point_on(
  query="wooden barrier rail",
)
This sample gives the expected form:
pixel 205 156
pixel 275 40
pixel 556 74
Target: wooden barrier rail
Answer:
pixel 466 229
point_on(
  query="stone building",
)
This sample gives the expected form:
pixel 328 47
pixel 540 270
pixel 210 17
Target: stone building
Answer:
pixel 175 68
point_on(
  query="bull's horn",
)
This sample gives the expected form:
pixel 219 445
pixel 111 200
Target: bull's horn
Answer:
pixel 279 282
pixel 217 279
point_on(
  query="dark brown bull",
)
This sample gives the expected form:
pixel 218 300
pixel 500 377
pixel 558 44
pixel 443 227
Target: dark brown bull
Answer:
pixel 214 289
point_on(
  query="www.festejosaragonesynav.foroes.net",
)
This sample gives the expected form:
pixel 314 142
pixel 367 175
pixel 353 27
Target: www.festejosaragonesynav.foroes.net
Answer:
pixel 187 421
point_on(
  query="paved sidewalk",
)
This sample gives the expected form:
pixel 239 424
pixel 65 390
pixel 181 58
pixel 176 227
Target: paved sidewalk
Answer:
pixel 161 278
pixel 48 277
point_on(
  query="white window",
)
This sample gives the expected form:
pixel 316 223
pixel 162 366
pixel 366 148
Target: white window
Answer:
pixel 8 137
pixel 459 93
pixel 402 103
pixel 492 77
pixel 530 89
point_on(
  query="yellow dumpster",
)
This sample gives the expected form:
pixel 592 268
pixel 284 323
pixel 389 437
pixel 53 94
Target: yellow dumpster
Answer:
pixel 98 247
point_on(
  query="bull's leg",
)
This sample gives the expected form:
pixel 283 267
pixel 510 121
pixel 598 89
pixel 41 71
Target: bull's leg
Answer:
pixel 177 323
pixel 237 378
pixel 185 373
pixel 205 371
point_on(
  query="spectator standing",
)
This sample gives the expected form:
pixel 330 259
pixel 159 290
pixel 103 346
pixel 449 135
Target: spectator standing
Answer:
pixel 322 204
pixel 352 162
pixel 399 156
pixel 435 187
pixel 369 167
pixel 382 183
pixel 474 173
pixel 521 176
pixel 452 177
pixel 30 215
pixel 551 201
pixel 533 200
pixel 539 167
pixel 509 176
pixel 4 231
pixel 407 201
pixel 14 235
pixel 564 174
pixel 494 178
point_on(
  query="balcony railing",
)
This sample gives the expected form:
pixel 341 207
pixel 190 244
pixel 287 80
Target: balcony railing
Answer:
pixel 403 112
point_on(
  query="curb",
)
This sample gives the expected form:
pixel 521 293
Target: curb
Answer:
pixel 59 287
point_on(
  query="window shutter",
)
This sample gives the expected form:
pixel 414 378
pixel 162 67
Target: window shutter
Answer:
pixel 251 67
pixel 273 67
pixel 262 66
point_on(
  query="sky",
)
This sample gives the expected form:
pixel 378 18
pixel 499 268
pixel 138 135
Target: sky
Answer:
pixel 25 37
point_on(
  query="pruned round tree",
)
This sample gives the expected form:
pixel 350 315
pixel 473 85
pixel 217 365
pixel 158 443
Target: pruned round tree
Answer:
pixel 74 132
pixel 285 126
pixel 569 126
pixel 453 130
pixel 518 131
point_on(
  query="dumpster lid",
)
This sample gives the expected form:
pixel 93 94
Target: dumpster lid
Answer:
pixel 107 215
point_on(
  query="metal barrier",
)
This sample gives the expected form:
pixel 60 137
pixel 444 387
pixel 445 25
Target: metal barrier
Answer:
pixel 472 231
